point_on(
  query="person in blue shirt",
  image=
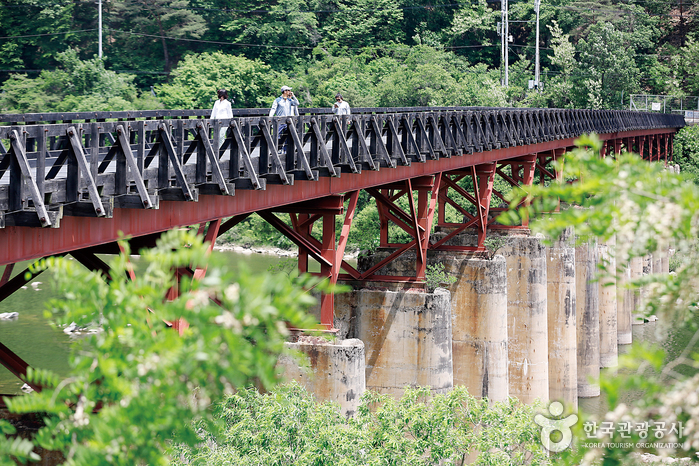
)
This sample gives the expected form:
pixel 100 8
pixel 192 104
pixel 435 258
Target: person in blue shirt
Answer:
pixel 285 105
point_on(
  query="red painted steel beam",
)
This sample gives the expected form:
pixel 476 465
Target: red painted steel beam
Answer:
pixel 17 282
pixel 328 205
pixel 6 274
pixel 16 365
pixel 23 243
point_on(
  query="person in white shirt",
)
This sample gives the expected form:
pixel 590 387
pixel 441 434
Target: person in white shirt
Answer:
pixel 285 105
pixel 222 109
pixel 340 107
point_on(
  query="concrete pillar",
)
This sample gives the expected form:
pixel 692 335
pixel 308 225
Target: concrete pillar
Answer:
pixel 635 295
pixel 479 325
pixel 563 363
pixel 336 372
pixel 527 326
pixel 657 258
pixel 587 317
pixel 406 335
pixel 608 332
pixel 624 308
pixel 665 260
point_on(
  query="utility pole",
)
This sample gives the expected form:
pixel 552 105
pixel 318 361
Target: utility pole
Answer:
pixel 505 37
pixel 537 4
pixel 99 27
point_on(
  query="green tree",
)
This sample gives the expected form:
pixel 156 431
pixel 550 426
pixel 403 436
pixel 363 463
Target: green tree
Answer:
pixel 282 34
pixel 606 68
pixel 686 151
pixel 149 25
pixel 35 31
pixel 473 33
pixel 77 85
pixel 689 57
pixel 559 88
pixel 135 386
pixel 194 82
pixel 330 74
pixel 362 23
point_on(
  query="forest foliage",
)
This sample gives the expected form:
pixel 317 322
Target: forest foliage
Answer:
pixel 176 53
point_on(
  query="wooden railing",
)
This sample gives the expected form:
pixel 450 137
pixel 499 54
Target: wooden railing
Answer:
pixel 88 164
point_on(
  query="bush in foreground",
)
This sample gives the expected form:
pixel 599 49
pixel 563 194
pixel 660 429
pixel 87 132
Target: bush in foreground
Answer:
pixel 287 427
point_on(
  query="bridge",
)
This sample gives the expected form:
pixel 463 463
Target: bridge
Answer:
pixel 71 183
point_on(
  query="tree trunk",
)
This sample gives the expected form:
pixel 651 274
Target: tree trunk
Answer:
pixel 166 57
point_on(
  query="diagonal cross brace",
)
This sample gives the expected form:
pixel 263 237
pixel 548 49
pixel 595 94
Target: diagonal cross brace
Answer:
pixel 244 154
pixel 293 236
pixel 364 150
pixel 175 161
pixel 380 146
pixel 133 166
pixel 343 145
pixel 215 165
pixel 299 148
pixel 21 158
pixel 411 139
pixel 77 147
pixel 323 150
pixel 272 148
pixel 423 134
pixel 394 135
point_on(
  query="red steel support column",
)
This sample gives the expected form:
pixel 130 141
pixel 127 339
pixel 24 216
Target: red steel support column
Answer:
pixel 304 230
pixel 486 177
pixel 383 221
pixel 671 138
pixel 528 178
pixel 442 214
pixel 327 300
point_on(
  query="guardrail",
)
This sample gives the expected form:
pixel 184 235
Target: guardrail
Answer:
pixel 114 160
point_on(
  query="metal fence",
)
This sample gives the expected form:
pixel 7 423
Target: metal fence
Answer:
pixel 663 103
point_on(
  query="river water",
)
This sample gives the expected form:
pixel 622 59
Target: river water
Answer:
pixel 40 345
pixel 35 341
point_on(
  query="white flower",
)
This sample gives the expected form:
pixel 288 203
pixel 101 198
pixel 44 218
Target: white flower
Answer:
pixel 233 293
pixel 228 320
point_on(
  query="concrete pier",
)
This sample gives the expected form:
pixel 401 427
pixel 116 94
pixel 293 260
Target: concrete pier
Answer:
pixel 527 327
pixel 479 325
pixel 587 317
pixel 665 261
pixel 608 331
pixel 336 371
pixel 624 308
pixel 563 363
pixel 407 337
pixel 636 295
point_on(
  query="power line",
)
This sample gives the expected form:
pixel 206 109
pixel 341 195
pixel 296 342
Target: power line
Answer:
pixel 49 34
pixel 215 42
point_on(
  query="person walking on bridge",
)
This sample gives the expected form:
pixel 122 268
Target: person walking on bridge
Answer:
pixel 285 105
pixel 222 109
pixel 341 107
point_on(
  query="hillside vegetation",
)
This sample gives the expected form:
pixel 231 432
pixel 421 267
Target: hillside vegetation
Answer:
pixel 176 53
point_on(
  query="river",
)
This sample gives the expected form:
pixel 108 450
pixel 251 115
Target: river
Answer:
pixel 41 345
